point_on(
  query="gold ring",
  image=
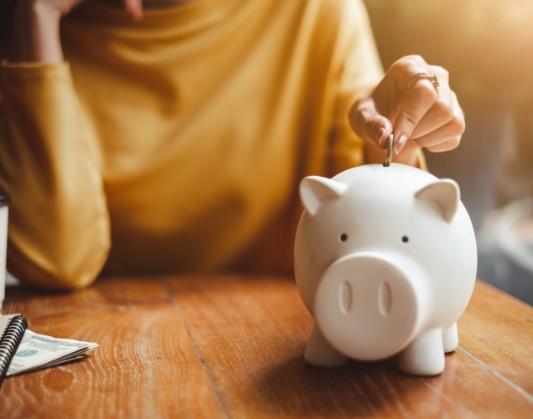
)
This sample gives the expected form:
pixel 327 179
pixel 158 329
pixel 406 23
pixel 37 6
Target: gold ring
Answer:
pixel 431 77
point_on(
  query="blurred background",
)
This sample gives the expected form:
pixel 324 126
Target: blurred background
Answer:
pixel 487 46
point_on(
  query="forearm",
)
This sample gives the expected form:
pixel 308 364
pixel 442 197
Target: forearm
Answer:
pixel 58 223
pixel 35 36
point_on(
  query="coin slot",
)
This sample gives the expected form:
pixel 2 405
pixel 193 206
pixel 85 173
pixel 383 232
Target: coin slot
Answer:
pixel 345 297
pixel 384 298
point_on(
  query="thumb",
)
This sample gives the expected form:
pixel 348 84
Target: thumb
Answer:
pixel 369 124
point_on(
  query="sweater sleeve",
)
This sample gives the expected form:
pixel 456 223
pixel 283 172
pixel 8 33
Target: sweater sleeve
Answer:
pixel 58 221
pixel 359 71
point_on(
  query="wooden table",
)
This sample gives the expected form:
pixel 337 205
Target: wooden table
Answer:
pixel 232 347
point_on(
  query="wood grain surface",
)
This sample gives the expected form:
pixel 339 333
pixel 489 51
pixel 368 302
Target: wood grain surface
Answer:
pixel 232 347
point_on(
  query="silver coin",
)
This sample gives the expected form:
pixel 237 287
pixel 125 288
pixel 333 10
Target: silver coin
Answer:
pixel 388 160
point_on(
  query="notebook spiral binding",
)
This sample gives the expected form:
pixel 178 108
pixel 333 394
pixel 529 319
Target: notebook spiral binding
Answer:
pixel 9 343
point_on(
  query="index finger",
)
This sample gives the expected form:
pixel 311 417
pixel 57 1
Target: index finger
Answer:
pixel 134 8
pixel 421 96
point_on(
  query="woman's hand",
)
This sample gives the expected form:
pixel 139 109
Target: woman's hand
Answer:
pixel 35 35
pixel 420 115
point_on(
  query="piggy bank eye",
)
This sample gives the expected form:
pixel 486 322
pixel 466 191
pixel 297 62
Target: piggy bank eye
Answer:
pixel 344 237
pixel 405 239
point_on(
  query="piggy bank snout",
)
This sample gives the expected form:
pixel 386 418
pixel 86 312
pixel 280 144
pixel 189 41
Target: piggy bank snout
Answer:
pixel 367 306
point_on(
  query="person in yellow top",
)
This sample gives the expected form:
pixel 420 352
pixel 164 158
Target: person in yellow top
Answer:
pixel 171 136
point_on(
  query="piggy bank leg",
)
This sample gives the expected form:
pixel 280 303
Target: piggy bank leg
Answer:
pixel 450 339
pixel 424 356
pixel 319 353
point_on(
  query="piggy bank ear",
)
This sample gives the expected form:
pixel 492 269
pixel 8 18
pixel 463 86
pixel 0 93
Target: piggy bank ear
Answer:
pixel 445 194
pixel 315 190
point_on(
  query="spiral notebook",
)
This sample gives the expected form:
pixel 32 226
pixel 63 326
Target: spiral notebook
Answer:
pixel 12 328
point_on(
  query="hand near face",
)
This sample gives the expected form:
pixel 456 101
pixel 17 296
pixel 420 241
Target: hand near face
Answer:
pixel 417 113
pixel 35 36
pixel 63 7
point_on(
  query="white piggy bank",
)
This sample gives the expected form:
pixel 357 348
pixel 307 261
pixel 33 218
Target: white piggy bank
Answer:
pixel 385 261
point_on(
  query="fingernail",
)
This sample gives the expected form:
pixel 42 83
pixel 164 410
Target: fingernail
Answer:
pixel 400 143
pixel 379 137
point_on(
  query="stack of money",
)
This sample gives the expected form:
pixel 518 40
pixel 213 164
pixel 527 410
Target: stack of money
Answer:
pixel 41 351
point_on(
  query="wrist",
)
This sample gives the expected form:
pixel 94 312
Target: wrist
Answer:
pixel 31 11
pixel 35 36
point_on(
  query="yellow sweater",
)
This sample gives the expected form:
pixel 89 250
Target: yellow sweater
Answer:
pixel 177 144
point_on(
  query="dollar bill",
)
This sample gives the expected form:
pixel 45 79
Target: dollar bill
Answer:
pixel 41 351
